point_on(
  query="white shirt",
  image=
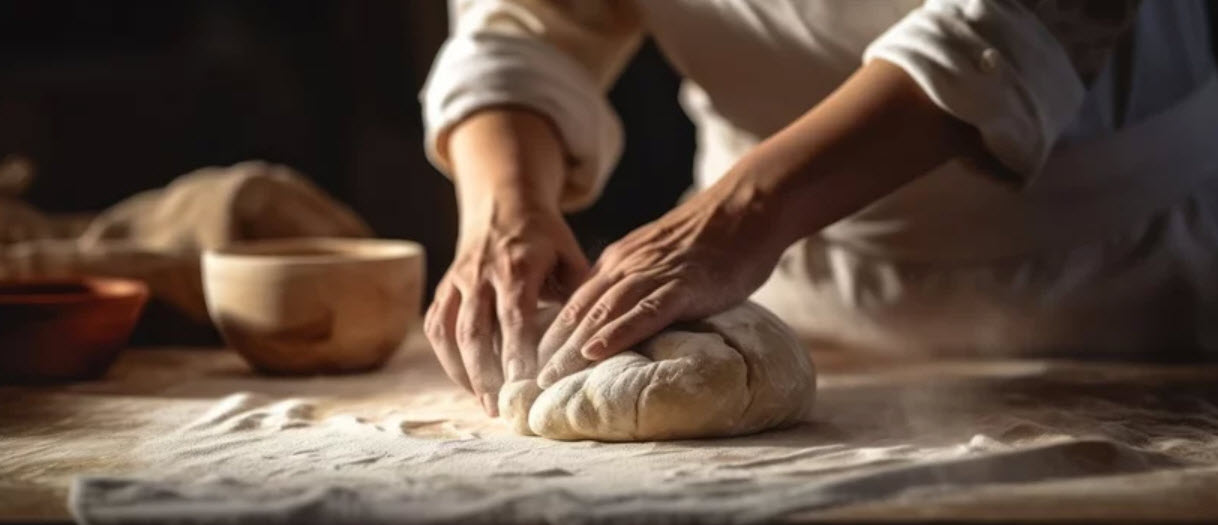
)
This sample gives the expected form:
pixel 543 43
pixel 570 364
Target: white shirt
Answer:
pixel 753 66
pixel 1099 230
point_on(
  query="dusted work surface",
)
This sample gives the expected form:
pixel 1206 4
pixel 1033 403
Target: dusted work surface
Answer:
pixel 175 432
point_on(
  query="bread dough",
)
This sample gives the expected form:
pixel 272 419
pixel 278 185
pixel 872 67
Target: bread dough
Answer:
pixel 737 372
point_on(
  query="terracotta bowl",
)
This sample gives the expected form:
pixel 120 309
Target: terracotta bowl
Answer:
pixel 313 305
pixel 65 329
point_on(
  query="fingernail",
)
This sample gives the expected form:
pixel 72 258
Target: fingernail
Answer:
pixel 593 350
pixel 489 405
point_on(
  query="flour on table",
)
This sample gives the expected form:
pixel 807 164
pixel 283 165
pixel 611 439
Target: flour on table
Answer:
pixel 252 458
pixel 193 436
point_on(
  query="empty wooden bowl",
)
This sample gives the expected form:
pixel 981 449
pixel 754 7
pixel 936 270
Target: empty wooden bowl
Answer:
pixel 312 305
pixel 65 329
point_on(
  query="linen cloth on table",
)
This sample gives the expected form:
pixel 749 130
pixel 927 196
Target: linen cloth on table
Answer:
pixel 157 235
pixel 407 447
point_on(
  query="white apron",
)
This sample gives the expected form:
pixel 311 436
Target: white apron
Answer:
pixel 1095 258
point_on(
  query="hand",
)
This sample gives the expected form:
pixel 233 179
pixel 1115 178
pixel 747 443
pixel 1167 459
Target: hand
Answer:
pixel 514 248
pixel 509 256
pixel 703 257
pixel 716 249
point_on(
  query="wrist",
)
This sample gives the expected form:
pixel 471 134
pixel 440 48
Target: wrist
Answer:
pixel 508 156
pixel 771 194
pixel 875 133
pixel 506 191
pixel 494 207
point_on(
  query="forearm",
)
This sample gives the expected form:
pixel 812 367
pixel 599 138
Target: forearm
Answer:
pixel 875 133
pixel 506 155
pixel 513 248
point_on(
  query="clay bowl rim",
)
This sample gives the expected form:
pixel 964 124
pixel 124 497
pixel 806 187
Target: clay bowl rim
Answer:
pixel 91 289
pixel 325 251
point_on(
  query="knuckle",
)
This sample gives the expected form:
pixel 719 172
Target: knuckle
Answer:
pixel 612 253
pixel 519 267
pixel 511 349
pixel 468 273
pixel 569 315
pixel 434 330
pixel 599 312
pixel 433 325
pixel 661 253
pixel 635 280
pixel 516 266
pixel 429 317
pixel 662 302
pixel 651 306
pixel 460 264
pixel 460 280
pixel 469 334
pixel 512 318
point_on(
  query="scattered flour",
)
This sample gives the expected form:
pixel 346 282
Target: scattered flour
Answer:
pixel 403 445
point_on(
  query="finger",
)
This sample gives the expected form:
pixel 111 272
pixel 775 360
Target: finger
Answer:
pixel 570 316
pixel 440 327
pixel 613 303
pixel 647 318
pixel 516 309
pixel 571 270
pixel 476 340
pixel 563 364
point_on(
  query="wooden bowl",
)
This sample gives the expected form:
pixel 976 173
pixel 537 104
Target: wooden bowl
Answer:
pixel 315 305
pixel 65 329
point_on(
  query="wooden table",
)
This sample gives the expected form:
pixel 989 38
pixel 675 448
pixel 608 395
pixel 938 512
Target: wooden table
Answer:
pixel 50 434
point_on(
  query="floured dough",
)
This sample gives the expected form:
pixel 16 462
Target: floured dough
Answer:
pixel 737 372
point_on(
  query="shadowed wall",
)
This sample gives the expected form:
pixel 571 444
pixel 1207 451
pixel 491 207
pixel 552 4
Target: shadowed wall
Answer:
pixel 112 97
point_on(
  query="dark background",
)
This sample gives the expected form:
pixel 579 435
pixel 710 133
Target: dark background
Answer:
pixel 112 97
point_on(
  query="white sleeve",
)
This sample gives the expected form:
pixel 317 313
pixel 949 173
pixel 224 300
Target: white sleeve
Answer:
pixel 994 65
pixel 555 58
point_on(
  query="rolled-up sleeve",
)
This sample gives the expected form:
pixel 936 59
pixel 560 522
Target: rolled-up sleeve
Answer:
pixel 553 57
pixel 994 65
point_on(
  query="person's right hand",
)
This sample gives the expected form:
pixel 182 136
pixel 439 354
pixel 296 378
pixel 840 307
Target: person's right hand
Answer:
pixel 514 249
pixel 482 323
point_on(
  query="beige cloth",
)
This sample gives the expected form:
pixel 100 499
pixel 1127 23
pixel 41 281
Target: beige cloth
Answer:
pixel 156 236
pixel 195 436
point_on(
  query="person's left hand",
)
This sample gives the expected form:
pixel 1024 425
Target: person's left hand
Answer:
pixel 717 248
pixel 703 257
